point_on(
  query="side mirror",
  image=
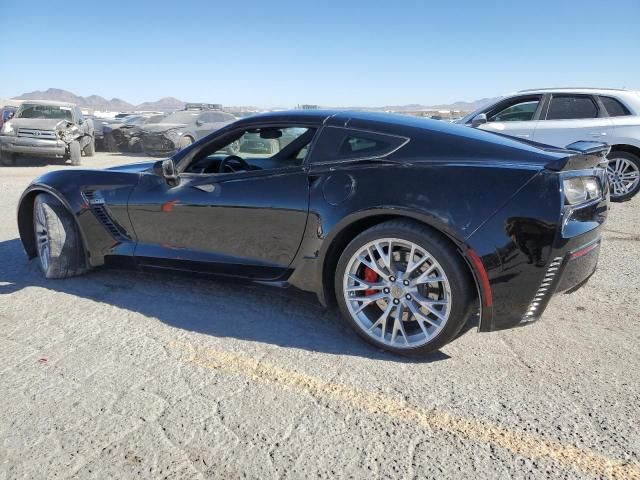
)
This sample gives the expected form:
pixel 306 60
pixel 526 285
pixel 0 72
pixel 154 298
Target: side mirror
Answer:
pixel 478 120
pixel 167 169
pixel 199 123
pixel 80 121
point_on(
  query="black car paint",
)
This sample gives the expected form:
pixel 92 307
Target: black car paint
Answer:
pixel 491 196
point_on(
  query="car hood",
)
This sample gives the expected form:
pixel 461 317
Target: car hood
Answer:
pixel 161 127
pixel 132 167
pixel 39 123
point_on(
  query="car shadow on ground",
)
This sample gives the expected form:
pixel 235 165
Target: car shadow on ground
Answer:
pixel 283 317
pixel 28 161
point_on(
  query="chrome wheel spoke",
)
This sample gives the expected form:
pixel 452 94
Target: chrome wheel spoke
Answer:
pixel 420 316
pixel 364 285
pixel 382 320
pixel 386 258
pixel 399 327
pixel 373 265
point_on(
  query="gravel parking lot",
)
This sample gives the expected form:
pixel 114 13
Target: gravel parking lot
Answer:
pixel 122 374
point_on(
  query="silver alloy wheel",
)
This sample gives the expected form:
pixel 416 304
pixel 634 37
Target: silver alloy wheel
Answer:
pixel 409 302
pixel 42 236
pixel 623 176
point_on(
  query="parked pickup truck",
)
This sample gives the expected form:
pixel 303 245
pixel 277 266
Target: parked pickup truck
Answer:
pixel 42 128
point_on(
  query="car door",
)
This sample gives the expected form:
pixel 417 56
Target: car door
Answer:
pixel 517 116
pixel 245 223
pixel 572 117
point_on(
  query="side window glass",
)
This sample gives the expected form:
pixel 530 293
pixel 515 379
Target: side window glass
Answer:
pixel 522 111
pixel 337 143
pixel 614 107
pixel 256 149
pixel 571 107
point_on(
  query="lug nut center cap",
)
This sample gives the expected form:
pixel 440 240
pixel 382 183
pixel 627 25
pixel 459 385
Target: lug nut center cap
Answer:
pixel 397 291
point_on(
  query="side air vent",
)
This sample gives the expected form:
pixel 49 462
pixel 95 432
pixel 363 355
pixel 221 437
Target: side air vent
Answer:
pixel 96 203
pixel 543 291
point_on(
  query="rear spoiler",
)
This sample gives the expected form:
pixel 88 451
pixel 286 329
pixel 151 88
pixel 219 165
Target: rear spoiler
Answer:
pixel 581 155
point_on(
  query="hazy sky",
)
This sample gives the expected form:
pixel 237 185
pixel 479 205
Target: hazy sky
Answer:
pixel 347 52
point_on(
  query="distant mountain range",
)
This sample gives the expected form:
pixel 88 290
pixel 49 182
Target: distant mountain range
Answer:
pixel 97 102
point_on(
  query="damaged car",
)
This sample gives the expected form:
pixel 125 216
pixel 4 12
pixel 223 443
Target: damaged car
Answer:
pixel 124 135
pixel 180 129
pixel 47 129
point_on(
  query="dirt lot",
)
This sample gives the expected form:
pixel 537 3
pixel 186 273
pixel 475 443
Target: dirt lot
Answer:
pixel 119 375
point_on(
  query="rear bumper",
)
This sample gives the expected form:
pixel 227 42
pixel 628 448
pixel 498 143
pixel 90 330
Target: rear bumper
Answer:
pixel 579 265
pixel 546 247
pixel 565 274
pixel 32 146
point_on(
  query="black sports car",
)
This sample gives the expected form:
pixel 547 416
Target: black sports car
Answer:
pixel 408 225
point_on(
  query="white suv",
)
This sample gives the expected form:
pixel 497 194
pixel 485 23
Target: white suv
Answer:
pixel 561 116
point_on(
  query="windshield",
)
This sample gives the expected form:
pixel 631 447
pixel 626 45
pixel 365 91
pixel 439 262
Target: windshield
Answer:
pixel 180 117
pixel 34 110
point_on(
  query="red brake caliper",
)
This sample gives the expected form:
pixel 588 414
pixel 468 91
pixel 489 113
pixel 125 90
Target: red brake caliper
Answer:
pixel 370 277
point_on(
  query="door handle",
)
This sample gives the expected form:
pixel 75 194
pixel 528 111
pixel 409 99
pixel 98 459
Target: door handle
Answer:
pixel 207 187
pixel 598 134
pixel 522 135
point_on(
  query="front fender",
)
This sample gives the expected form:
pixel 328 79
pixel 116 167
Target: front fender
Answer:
pixel 94 218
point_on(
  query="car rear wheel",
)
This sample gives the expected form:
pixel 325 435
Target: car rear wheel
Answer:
pixel 403 288
pixel 624 175
pixel 75 153
pixel 59 247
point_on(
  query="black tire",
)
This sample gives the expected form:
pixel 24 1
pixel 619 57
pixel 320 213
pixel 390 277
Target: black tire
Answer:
pixel 185 142
pixel 64 256
pixel 7 158
pixel 90 148
pixel 462 288
pixel 635 160
pixel 75 153
pixel 110 144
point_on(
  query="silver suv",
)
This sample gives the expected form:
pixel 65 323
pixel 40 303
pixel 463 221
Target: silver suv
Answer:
pixel 47 129
pixel 561 116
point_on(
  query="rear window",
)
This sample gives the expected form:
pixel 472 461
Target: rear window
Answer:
pixel 570 107
pixel 614 107
pixel 337 143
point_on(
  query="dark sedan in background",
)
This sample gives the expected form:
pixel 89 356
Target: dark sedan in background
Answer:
pixel 410 226
pixel 180 129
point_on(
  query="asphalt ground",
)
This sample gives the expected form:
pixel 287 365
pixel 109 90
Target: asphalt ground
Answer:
pixel 120 374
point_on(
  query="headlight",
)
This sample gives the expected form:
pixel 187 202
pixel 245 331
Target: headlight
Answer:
pixel 581 189
pixel 7 129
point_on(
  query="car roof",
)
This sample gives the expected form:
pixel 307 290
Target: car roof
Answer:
pixel 50 102
pixel 343 118
pixel 585 90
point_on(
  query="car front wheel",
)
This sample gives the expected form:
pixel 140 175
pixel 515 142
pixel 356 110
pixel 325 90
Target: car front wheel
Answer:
pixel 59 247
pixel 403 288
pixel 624 175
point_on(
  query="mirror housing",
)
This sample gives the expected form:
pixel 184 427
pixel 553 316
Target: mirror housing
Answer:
pixel 478 120
pixel 199 122
pixel 167 170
